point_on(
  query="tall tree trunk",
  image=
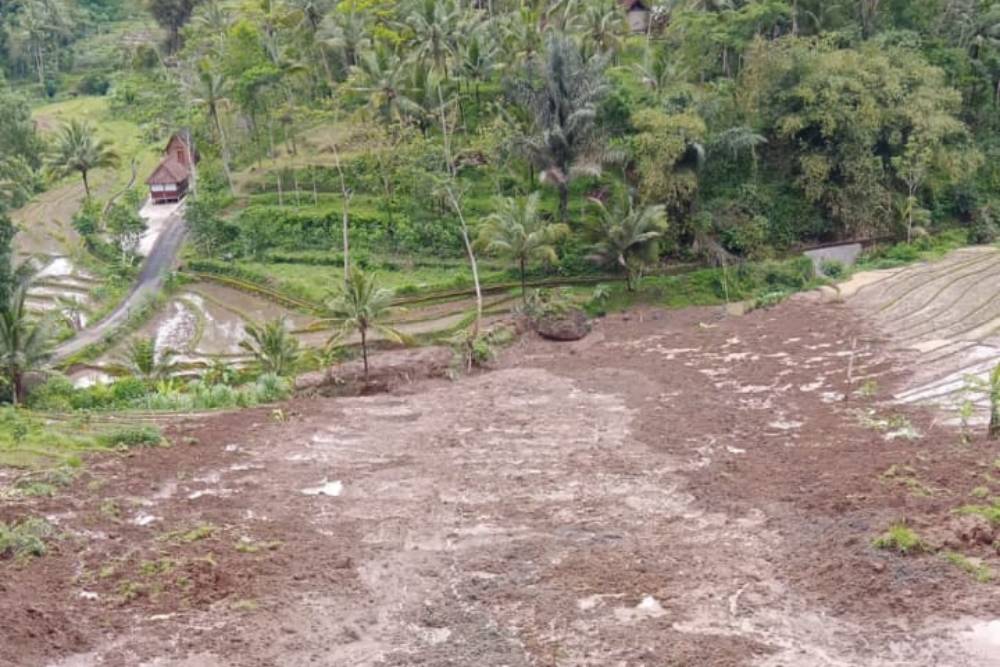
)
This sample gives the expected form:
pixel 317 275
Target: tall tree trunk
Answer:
pixel 17 386
pixel 524 283
pixel 86 184
pixel 563 201
pixel 346 202
pixel 457 205
pixel 364 349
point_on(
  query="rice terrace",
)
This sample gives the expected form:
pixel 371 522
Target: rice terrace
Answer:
pixel 548 333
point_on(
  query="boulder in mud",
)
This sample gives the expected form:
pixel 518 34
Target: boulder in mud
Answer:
pixel 571 325
pixel 386 371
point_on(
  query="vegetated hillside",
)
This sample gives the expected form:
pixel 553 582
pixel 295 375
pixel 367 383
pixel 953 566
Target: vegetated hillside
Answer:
pixel 756 124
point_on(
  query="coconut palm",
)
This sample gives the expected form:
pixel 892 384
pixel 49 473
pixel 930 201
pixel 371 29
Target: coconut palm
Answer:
pixel 210 92
pixel 346 34
pixel 77 149
pixel 272 346
pixel 381 75
pixel 25 341
pixel 362 306
pixel 142 360
pixel 604 28
pixel 477 61
pixel 519 232
pixel 626 237
pixel 434 25
pixel 565 144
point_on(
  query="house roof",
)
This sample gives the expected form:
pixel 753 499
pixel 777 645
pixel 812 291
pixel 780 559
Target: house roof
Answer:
pixel 170 170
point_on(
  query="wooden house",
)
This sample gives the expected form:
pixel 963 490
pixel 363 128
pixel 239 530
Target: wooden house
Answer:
pixel 171 179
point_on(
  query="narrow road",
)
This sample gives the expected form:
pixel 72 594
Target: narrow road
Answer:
pixel 154 272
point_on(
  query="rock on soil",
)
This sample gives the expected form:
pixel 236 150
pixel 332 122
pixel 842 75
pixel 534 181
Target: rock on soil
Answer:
pixel 572 325
pixel 386 371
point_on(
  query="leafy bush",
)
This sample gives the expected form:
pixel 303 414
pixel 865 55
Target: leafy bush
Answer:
pixel 55 394
pixel 95 83
pixel 832 268
pixel 24 539
pixel 128 389
pixel 131 436
pixel 270 388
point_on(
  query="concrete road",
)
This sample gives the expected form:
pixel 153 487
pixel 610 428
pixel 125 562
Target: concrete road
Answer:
pixel 154 272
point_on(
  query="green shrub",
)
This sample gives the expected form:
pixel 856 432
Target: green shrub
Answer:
pixel 127 390
pixel 901 538
pixel 55 394
pixel 24 539
pixel 131 436
pixel 270 388
pixel 832 268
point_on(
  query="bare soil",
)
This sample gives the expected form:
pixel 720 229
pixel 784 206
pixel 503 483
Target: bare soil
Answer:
pixel 678 488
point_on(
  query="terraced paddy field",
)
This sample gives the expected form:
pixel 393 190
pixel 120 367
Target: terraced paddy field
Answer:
pixel 944 317
pixel 206 321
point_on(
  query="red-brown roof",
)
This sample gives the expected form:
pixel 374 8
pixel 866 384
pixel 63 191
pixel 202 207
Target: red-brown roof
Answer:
pixel 169 171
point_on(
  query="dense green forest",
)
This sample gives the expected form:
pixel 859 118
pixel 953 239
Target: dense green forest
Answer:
pixel 753 125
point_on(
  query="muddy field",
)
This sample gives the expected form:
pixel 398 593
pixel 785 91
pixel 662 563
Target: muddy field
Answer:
pixel 677 489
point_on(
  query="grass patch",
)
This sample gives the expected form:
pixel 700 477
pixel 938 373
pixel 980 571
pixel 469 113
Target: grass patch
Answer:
pixel 27 441
pixel 976 570
pixel 899 538
pixel 200 532
pixel 25 539
pixel 922 249
pixel 131 436
pixel 762 284
pixel 246 545
pixel 989 512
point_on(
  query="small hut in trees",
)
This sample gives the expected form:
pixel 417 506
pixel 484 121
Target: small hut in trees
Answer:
pixel 636 14
pixel 171 179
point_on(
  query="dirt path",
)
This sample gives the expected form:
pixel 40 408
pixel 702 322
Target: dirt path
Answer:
pixel 154 272
pixel 677 489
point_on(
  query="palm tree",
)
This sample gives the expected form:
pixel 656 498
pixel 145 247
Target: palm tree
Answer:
pixel 518 231
pixel 210 93
pixel 478 60
pixel 604 28
pixel 25 342
pixel 272 346
pixel 144 361
pixel 77 149
pixel 381 75
pixel 434 25
pixel 626 237
pixel 565 106
pixel 346 34
pixel 362 306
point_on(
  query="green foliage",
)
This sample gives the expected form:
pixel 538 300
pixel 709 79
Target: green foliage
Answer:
pixel 25 342
pixel 626 237
pixel 978 571
pixel 518 232
pixel 900 538
pixel 78 150
pixel 361 306
pixel 989 512
pixel 133 436
pixel 272 346
pixel 25 539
